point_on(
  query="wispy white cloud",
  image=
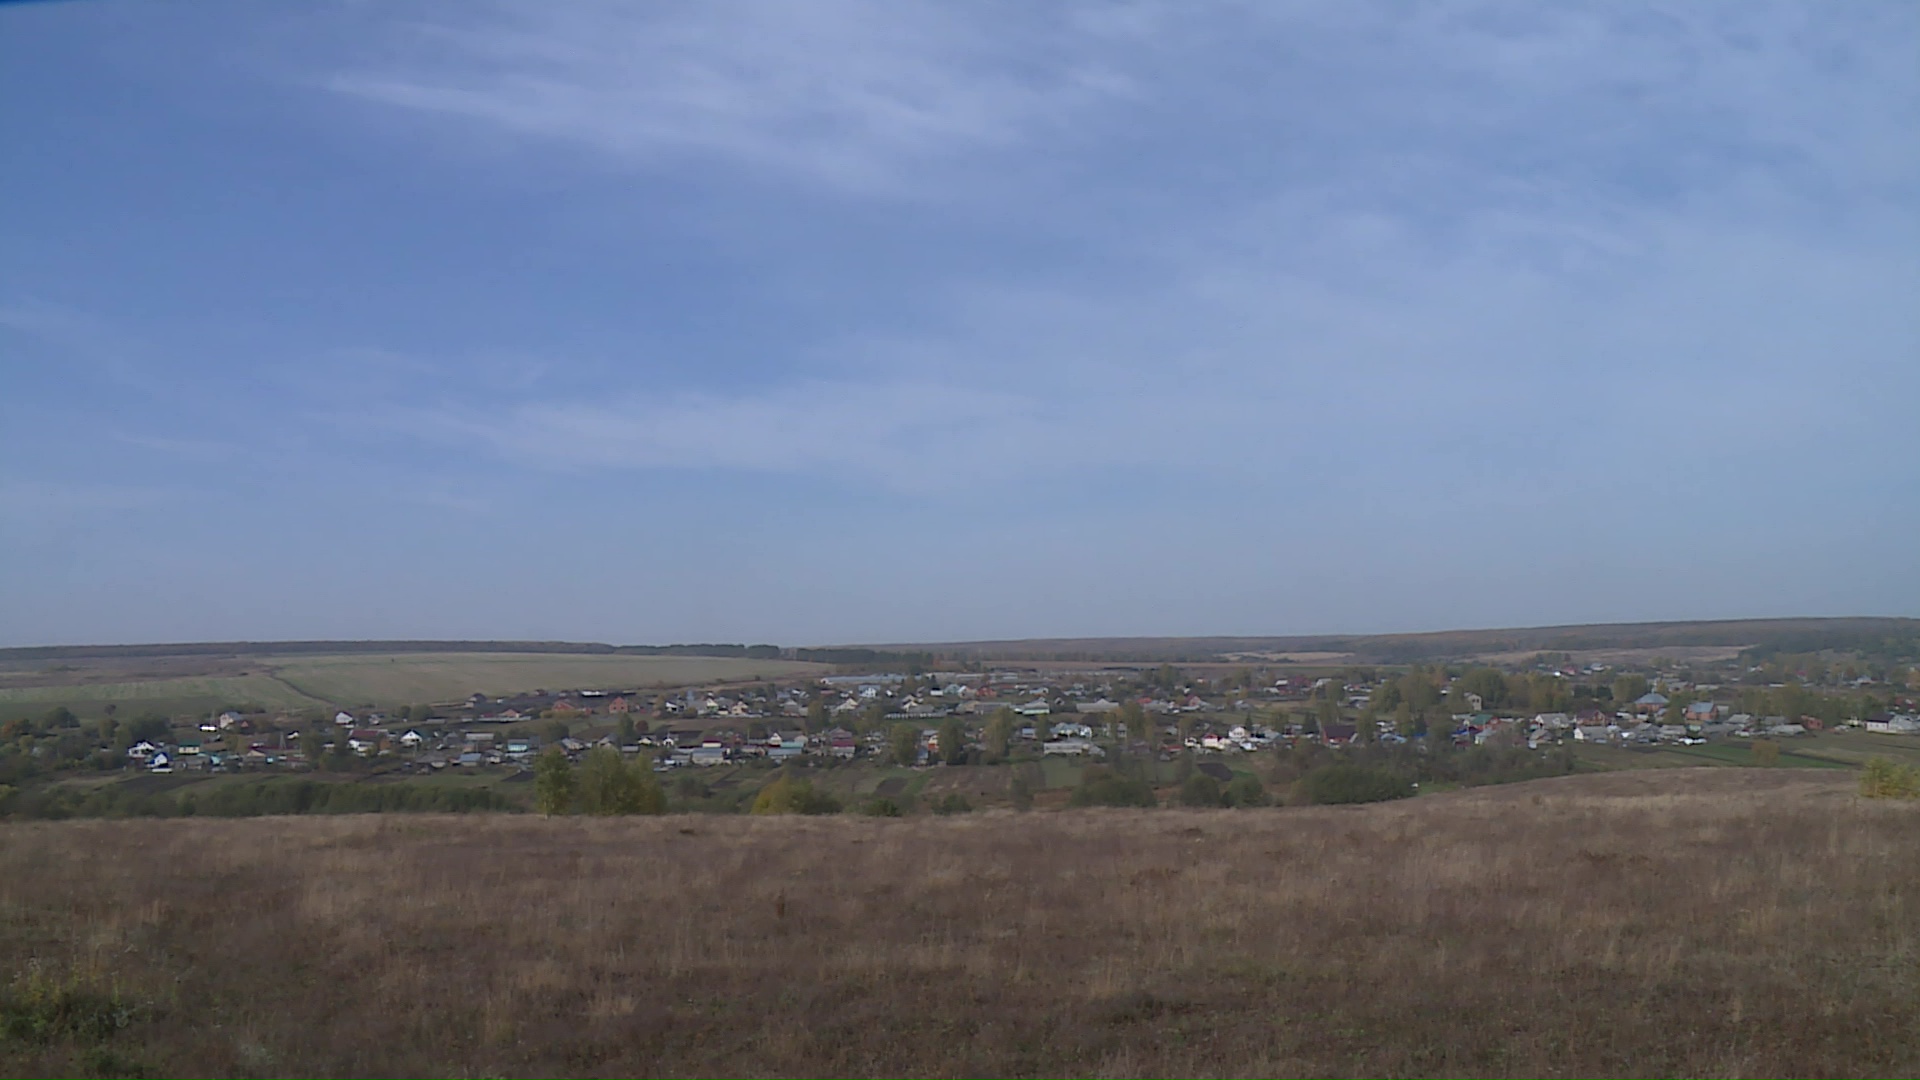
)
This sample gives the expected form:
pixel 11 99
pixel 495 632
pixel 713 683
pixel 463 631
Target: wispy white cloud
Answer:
pixel 894 433
pixel 1483 97
pixel 855 94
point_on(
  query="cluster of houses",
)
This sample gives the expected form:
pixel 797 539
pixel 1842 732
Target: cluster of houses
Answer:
pixel 1063 713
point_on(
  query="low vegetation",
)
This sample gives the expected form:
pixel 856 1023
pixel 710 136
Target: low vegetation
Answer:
pixel 1679 922
pixel 1883 779
pixel 246 797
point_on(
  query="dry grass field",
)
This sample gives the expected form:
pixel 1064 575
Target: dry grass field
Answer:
pixel 1714 922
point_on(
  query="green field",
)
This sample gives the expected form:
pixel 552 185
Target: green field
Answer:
pixel 1851 747
pixel 419 677
pixel 183 696
pixel 1806 753
pixel 379 681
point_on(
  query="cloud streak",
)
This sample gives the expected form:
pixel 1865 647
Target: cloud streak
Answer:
pixel 857 95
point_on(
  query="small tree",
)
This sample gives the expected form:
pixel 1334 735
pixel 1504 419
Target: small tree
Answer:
pixel 553 782
pixel 610 785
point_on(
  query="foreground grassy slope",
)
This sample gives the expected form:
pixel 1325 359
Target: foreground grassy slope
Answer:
pixel 1695 922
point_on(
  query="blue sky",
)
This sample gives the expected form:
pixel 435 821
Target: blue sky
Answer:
pixel 847 321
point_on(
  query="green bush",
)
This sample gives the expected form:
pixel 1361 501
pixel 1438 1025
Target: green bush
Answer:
pixel 41 1008
pixel 610 785
pixel 1884 779
pixel 789 795
pixel 1200 790
pixel 881 806
pixel 1333 784
pixel 1101 788
pixel 1246 790
pixel 953 803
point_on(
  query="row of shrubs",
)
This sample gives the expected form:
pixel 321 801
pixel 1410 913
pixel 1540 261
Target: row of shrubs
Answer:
pixel 257 798
pixel 1328 784
pixel 604 783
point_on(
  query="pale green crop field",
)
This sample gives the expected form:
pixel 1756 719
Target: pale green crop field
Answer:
pixel 430 677
pixel 193 694
pixel 392 680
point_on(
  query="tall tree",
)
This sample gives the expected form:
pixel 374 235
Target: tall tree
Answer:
pixel 999 733
pixel 904 741
pixel 953 742
pixel 553 782
pixel 1628 687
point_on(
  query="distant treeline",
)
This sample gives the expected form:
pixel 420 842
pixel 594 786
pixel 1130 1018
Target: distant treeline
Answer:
pixel 916 661
pixel 748 652
pixel 1866 644
pixel 1769 635
pixel 254 799
pixel 238 649
pixel 338 648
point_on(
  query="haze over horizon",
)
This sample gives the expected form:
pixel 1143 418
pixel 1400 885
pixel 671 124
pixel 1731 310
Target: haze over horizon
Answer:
pixel 865 321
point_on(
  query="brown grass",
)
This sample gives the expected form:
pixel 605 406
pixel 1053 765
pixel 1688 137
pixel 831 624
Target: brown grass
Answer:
pixel 1699 922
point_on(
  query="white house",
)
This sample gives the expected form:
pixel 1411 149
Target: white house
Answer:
pixel 1075 747
pixel 412 740
pixel 344 719
pixel 159 762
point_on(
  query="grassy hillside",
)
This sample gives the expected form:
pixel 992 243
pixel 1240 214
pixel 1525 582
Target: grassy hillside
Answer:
pixel 448 676
pixel 1795 634
pixel 176 685
pixel 176 696
pixel 1683 922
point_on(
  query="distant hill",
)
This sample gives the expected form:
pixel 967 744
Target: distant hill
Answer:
pixel 1886 636
pixel 1769 635
pixel 342 648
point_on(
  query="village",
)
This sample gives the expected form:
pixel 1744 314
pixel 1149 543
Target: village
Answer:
pixel 988 716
